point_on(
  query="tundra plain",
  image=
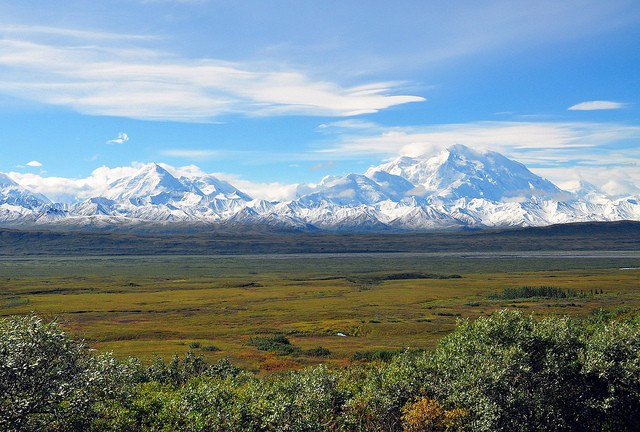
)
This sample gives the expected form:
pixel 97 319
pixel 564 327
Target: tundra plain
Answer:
pixel 347 303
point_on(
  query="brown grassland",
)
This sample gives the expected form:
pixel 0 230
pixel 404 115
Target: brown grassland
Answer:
pixel 146 306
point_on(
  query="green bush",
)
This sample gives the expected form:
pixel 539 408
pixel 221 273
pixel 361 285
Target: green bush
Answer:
pixel 374 355
pixel 277 344
pixel 317 352
pixel 49 381
pixel 515 373
pixel 533 291
pixel 210 348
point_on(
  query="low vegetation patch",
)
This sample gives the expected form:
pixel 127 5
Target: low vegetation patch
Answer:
pixel 375 279
pixel 381 355
pixel 280 345
pixel 317 352
pixel 210 348
pixel 277 344
pixel 525 292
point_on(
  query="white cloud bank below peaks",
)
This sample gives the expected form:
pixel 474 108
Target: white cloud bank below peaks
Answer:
pixel 70 190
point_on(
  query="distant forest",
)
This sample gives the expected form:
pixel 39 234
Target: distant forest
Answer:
pixel 226 239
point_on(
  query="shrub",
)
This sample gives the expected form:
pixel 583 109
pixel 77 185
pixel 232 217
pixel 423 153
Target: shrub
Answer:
pixel 177 372
pixel 374 355
pixel 210 348
pixel 317 352
pixel 48 381
pixel 516 373
pixel 427 415
pixel 539 291
pixel 277 344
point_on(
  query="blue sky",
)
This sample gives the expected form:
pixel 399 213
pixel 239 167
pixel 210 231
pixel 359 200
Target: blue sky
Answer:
pixel 269 94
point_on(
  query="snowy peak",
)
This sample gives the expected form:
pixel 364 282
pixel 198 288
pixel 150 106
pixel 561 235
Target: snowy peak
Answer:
pixel 395 187
pixel 460 172
pixel 13 194
pixel 5 181
pixel 351 190
pixel 583 190
pixel 411 169
pixel 213 187
pixel 152 184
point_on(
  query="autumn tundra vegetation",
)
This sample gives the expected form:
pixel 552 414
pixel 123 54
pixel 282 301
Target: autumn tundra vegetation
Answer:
pixel 503 372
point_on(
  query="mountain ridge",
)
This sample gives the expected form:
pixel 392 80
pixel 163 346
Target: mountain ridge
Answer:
pixel 459 188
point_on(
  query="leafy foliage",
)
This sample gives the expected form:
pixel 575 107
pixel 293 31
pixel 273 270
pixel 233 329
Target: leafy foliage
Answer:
pixel 428 415
pixel 504 372
pixel 374 355
pixel 280 345
pixel 513 372
pixel 277 344
pixel 49 381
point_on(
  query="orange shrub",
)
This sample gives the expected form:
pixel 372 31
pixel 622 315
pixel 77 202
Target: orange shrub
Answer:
pixel 427 415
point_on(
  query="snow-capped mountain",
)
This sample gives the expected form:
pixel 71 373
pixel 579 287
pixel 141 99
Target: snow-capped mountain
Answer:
pixel 356 189
pixel 460 172
pixel 152 185
pixel 17 204
pixel 457 188
pixel 12 194
pixel 215 188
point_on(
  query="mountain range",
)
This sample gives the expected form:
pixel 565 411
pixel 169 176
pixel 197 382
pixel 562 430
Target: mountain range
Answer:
pixel 459 188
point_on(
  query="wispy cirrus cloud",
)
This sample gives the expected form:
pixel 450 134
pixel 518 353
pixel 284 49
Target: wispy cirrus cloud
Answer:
pixel 511 137
pixel 119 80
pixel 597 105
pixel 31 30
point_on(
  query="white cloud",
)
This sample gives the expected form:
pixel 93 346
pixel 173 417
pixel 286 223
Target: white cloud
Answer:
pixel 346 125
pixel 271 191
pixel 520 138
pixel 62 189
pixel 153 85
pixel 71 33
pixel 274 191
pixel 622 180
pixel 183 171
pixel 122 138
pixel 34 164
pixel 597 105
pixel 58 189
